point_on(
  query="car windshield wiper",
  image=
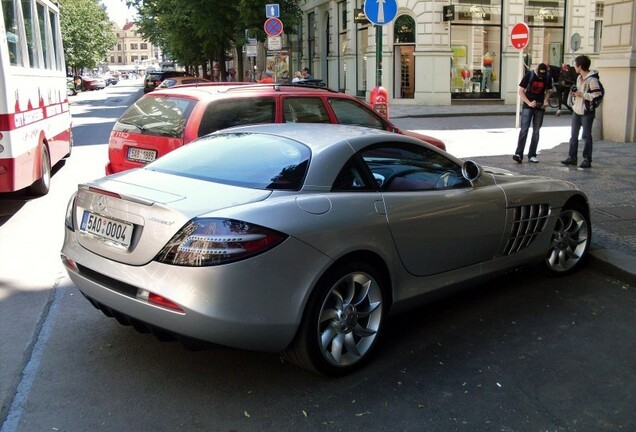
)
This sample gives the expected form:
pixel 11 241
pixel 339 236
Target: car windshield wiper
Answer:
pixel 141 127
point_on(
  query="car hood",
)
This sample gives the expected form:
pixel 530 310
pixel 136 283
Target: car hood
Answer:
pixel 426 138
pixel 157 204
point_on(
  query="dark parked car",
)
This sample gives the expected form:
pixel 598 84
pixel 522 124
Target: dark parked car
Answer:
pixel 110 80
pixel 153 79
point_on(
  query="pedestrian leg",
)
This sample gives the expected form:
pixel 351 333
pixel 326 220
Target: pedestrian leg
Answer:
pixel 586 122
pixel 537 122
pixel 526 117
pixel 574 137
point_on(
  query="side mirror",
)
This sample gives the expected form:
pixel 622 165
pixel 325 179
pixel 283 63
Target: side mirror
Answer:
pixel 471 170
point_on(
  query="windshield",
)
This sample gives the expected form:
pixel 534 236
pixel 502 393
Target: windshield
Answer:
pixel 241 159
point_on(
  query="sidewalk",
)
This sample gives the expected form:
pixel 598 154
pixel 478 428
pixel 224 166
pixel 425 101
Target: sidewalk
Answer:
pixel 610 184
pixel 401 111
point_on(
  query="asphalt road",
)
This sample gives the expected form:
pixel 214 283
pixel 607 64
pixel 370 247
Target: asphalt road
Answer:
pixel 518 353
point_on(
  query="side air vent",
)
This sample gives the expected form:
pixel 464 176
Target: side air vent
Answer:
pixel 528 221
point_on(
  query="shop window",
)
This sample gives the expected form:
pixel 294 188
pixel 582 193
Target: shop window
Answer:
pixel 547 13
pixel 404 29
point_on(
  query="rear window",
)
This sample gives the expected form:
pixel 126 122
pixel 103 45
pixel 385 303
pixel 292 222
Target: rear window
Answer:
pixel 169 82
pixel 159 116
pixel 224 113
pixel 248 160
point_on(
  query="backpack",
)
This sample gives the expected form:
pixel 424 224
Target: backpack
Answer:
pixel 594 103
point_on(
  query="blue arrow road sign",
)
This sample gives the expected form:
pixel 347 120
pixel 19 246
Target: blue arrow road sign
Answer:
pixel 380 12
pixel 272 10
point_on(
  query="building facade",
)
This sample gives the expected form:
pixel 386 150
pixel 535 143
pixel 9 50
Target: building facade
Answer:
pixel 131 52
pixel 440 52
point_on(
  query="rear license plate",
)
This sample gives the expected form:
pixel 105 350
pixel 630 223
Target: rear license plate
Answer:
pixel 141 155
pixel 110 230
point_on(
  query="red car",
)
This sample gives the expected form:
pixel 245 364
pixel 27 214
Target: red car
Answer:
pixel 166 119
pixel 93 83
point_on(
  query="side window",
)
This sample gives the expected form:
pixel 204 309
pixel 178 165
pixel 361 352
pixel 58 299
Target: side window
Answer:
pixel 350 112
pixel 11 26
pixel 398 167
pixel 304 110
pixel 351 179
pixel 29 26
pixel 221 114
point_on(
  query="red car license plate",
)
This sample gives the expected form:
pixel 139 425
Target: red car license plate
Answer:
pixel 141 155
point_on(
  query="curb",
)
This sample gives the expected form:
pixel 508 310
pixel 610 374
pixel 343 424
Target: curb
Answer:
pixel 617 264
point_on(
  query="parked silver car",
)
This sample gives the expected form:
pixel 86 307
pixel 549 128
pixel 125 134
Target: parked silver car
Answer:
pixel 301 238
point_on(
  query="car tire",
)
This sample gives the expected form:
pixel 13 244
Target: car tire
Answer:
pixel 43 184
pixel 570 242
pixel 342 321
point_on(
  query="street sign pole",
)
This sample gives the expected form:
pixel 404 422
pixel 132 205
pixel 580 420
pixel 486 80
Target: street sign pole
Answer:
pixel 519 37
pixel 380 13
pixel 378 55
pixel 519 77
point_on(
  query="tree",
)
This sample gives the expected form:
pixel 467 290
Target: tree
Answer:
pixel 87 32
pixel 199 31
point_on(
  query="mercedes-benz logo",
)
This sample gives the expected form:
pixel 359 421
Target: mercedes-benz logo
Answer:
pixel 101 203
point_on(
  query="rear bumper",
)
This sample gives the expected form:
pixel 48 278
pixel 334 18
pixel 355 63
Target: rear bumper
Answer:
pixel 250 304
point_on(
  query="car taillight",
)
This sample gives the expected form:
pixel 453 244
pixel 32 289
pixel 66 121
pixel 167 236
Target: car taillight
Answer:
pixel 68 220
pixel 210 241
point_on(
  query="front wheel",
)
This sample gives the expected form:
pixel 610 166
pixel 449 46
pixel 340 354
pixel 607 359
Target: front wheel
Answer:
pixel 342 321
pixel 553 100
pixel 570 241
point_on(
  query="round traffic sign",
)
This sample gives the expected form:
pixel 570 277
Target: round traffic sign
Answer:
pixel 380 12
pixel 519 36
pixel 273 26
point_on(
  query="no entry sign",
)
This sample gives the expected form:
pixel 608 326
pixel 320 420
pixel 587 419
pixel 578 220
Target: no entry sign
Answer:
pixel 519 36
pixel 273 26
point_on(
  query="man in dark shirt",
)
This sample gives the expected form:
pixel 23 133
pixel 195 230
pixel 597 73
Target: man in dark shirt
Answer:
pixel 534 90
pixel 306 74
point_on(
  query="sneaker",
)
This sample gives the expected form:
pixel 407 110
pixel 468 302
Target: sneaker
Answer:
pixel 534 160
pixel 557 113
pixel 517 158
pixel 586 164
pixel 569 161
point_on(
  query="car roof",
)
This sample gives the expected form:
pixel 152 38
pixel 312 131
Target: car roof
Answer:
pixel 206 90
pixel 320 136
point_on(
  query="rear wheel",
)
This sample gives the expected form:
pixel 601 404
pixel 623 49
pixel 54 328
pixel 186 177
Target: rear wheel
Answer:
pixel 43 184
pixel 342 321
pixel 571 240
pixel 553 100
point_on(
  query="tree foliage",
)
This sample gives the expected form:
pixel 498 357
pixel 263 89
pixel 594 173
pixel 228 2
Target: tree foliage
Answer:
pixel 194 32
pixel 87 32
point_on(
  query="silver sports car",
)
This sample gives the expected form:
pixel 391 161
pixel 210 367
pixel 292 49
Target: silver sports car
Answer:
pixel 303 238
